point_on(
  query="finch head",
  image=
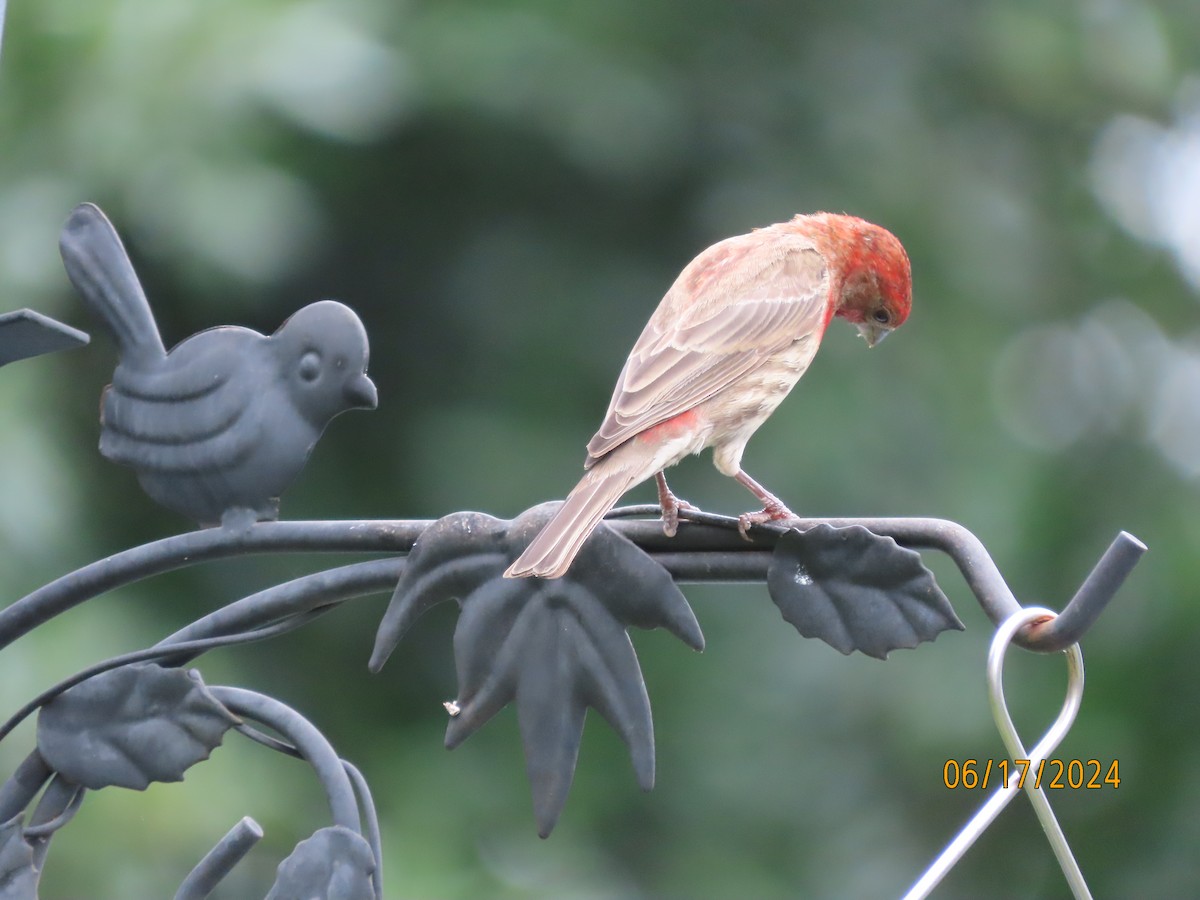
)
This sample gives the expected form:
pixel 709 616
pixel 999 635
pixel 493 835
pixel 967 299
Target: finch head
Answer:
pixel 871 271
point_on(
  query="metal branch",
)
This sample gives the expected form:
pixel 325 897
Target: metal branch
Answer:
pixel 20 789
pixel 220 860
pixel 193 547
pixel 724 556
pixel 290 598
pixel 266 614
pixel 708 548
pixel 178 653
pixel 57 806
pixel 374 836
pixel 313 746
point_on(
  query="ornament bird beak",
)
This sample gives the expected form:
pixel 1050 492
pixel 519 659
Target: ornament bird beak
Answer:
pixel 361 393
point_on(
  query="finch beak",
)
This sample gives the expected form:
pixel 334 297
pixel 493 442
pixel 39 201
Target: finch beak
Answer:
pixel 361 393
pixel 873 332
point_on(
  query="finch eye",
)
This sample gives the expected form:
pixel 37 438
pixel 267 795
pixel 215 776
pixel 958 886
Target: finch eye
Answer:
pixel 882 316
pixel 310 366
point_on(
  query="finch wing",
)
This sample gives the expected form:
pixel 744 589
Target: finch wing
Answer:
pixel 195 413
pixel 733 307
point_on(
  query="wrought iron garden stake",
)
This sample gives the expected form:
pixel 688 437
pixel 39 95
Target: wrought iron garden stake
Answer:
pixel 220 425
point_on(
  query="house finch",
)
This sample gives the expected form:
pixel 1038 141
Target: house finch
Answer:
pixel 731 337
pixel 219 426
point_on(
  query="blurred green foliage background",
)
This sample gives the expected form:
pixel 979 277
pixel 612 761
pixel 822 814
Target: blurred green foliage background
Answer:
pixel 504 190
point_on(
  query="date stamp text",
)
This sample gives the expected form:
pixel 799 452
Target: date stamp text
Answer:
pixel 1051 774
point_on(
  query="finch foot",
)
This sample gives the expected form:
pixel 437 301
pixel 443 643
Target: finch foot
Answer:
pixel 773 512
pixel 671 505
pixel 773 509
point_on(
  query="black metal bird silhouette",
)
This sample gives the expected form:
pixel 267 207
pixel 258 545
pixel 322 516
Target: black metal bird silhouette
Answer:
pixel 218 427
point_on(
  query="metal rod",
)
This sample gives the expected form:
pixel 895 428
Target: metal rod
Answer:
pixel 733 559
pixel 220 860
pixel 313 747
pixel 292 597
pixel 178 551
pixel 22 786
pixel 1090 600
pixel 1016 749
pixel 374 836
pixel 716 566
pixel 164 655
pixel 1004 794
pixel 57 806
pixel 707 548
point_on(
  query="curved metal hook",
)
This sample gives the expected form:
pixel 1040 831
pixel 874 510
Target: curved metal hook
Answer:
pixel 1100 586
pixel 1052 738
pixel 1004 638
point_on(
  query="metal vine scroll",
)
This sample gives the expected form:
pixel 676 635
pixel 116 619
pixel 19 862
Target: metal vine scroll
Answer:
pixel 217 427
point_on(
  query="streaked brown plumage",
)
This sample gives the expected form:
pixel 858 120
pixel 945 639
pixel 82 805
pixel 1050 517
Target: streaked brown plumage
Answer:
pixel 732 336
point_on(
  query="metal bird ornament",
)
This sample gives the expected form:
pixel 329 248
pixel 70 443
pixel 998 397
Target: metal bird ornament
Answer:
pixel 219 426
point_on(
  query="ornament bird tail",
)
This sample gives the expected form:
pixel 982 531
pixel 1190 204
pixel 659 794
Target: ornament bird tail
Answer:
pixel 551 553
pixel 99 267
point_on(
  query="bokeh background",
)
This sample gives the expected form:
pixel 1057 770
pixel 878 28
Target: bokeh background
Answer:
pixel 504 190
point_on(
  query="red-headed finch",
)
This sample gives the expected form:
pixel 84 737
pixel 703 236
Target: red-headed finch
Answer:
pixel 731 337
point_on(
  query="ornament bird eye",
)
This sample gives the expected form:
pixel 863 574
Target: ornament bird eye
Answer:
pixel 310 366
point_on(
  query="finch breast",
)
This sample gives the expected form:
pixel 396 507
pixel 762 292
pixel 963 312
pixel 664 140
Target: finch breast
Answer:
pixel 737 411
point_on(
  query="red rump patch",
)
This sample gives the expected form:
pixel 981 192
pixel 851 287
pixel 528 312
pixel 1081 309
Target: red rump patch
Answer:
pixel 674 427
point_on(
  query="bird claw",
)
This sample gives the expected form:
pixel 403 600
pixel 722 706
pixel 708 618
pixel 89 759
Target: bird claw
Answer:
pixel 670 514
pixel 770 513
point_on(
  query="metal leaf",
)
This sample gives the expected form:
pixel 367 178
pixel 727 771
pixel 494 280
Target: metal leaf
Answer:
pixel 333 864
pixel 556 647
pixel 25 333
pixel 856 590
pixel 132 726
pixel 18 873
pixel 452 557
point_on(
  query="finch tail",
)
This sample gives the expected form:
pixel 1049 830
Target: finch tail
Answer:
pixel 556 545
pixel 99 267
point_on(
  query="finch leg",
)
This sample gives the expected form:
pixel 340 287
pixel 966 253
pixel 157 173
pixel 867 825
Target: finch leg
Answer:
pixel 773 509
pixel 671 505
